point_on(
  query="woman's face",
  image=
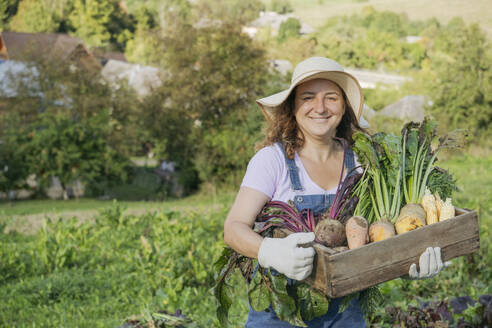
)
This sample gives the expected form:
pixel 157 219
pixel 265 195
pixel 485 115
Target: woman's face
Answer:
pixel 319 108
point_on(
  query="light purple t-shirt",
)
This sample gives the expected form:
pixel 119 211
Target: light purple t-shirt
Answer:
pixel 267 172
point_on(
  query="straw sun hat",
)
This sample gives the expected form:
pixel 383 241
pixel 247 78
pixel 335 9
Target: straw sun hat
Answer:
pixel 317 68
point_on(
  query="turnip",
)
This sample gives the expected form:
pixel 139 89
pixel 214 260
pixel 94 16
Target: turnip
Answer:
pixel 412 216
pixel 380 230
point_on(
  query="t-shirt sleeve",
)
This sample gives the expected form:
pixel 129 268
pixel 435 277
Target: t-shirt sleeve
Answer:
pixel 263 171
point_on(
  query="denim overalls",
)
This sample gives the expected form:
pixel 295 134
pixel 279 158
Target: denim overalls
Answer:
pixel 352 317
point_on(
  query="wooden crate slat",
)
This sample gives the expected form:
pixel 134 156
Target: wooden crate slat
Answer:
pixel 363 280
pixel 343 273
pixel 404 246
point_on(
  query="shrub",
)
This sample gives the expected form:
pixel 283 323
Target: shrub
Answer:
pixel 288 29
pixel 281 6
pixel 60 146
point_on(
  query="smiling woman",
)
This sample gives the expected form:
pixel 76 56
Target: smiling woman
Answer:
pixel 301 160
pixel 319 108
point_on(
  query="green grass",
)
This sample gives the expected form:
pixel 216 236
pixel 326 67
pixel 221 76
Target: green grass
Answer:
pixel 29 207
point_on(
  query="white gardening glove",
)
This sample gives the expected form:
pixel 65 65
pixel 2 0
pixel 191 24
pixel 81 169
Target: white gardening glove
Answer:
pixel 430 264
pixel 284 255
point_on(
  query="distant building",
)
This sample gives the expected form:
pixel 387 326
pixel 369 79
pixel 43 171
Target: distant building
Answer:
pixel 13 74
pixel 412 38
pixel 103 56
pixel 370 79
pixel 141 78
pixel 27 47
pixel 282 66
pixel 273 19
pixel 408 108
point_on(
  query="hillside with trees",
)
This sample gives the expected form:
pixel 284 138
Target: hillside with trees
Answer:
pixel 211 72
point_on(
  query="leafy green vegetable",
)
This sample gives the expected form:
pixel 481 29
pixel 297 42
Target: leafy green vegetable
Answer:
pixel 283 304
pixel 442 182
pixel 258 294
pixel 379 190
pixel 296 303
pixel 311 303
pixel 419 157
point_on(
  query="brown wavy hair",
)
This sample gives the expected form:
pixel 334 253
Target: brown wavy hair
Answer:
pixel 283 126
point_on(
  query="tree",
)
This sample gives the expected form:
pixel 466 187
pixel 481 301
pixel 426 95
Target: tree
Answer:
pixel 462 90
pixel 281 6
pixel 90 19
pixel 212 75
pixel 35 16
pixel 8 8
pixel 144 47
pixel 238 11
pixel 66 122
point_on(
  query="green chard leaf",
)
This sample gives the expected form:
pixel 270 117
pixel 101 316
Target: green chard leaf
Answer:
pixel 364 149
pixel 311 303
pixel 258 293
pixel 283 304
pixel 427 131
pixel 223 267
pixel 392 148
pixel 220 266
pixel 223 293
pixel 412 146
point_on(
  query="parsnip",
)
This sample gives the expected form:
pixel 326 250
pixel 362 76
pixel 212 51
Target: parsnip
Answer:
pixel 447 211
pixel 439 204
pixel 429 205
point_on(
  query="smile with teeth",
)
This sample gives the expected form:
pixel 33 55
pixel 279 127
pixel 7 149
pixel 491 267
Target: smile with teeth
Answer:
pixel 320 118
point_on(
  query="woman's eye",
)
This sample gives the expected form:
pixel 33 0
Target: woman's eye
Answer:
pixel 332 98
pixel 307 98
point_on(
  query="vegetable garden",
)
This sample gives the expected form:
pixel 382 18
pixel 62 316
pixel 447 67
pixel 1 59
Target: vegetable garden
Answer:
pixel 126 268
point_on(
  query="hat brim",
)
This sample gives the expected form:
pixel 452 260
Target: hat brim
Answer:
pixel 344 80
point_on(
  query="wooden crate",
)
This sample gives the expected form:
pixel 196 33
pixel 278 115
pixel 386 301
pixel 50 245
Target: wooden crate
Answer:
pixel 343 273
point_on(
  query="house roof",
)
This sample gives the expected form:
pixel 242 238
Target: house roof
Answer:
pixel 21 46
pixel 13 74
pixel 104 55
pixel 274 19
pixel 408 108
pixel 141 78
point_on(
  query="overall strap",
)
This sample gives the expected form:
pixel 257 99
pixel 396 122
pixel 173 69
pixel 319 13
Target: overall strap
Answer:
pixel 295 182
pixel 350 161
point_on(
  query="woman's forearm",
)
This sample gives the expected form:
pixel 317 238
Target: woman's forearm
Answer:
pixel 240 237
pixel 238 232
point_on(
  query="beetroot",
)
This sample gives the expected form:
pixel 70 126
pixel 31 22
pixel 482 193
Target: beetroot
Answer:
pixel 330 233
